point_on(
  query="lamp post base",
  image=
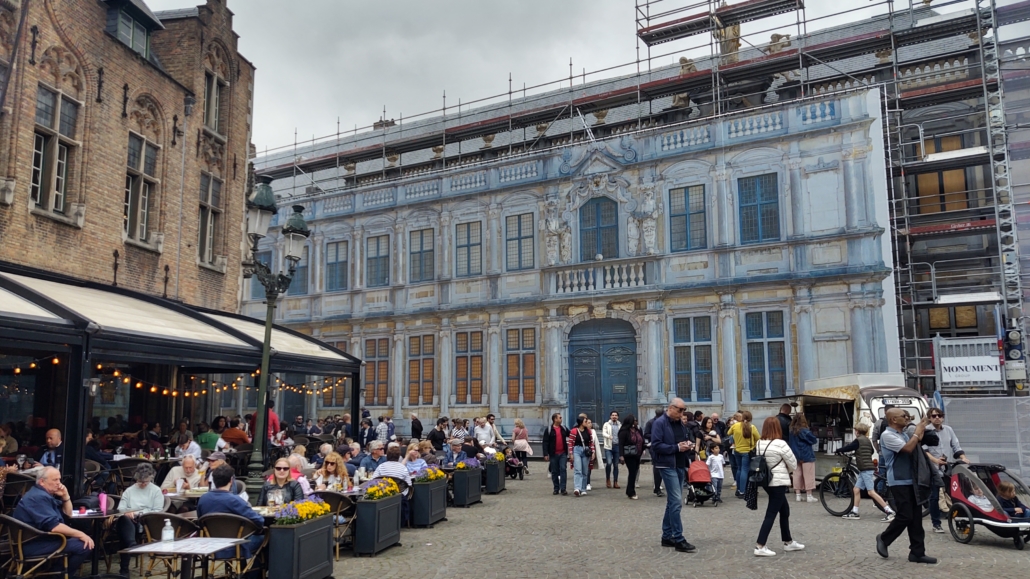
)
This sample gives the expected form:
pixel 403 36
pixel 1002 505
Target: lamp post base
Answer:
pixel 255 477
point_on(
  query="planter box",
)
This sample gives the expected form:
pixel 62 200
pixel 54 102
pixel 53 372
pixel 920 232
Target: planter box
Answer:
pixel 467 487
pixel 495 478
pixel 378 525
pixel 304 551
pixel 428 503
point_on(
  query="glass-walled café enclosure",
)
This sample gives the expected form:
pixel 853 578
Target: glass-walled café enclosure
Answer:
pixel 74 354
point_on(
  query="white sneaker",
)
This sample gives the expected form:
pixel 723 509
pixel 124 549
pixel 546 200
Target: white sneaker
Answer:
pixel 793 546
pixel 764 552
pixel 812 499
pixel 797 498
pixel 588 488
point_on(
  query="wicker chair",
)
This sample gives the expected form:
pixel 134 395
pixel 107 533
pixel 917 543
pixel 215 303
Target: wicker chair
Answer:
pixel 22 566
pixel 17 484
pixel 228 526
pixel 340 505
pixel 153 523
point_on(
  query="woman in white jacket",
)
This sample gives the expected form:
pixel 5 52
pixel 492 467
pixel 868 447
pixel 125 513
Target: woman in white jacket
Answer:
pixel 782 464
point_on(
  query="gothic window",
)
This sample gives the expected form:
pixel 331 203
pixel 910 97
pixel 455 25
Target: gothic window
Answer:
pixel 421 253
pixel 336 266
pixel 468 386
pixel 469 249
pixel 140 187
pixel 377 371
pixel 766 354
pixel 421 369
pixel 521 361
pixel 299 282
pixel 519 241
pixel 377 261
pixel 759 208
pixel 598 229
pixel 210 216
pixel 53 149
pixel 692 351
pixel 213 87
pixel 687 218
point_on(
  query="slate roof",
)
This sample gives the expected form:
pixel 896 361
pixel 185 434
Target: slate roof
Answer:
pixel 141 7
pixel 178 13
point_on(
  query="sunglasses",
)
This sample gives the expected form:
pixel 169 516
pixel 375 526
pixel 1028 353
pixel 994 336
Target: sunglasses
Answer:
pixel 680 408
pixel 330 463
pixel 936 416
pixel 282 468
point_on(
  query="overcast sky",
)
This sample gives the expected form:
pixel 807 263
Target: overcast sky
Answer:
pixel 322 60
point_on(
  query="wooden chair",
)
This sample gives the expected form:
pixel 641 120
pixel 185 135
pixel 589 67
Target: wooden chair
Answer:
pixel 126 468
pixel 152 524
pixel 23 566
pixel 341 506
pixel 107 542
pixel 228 526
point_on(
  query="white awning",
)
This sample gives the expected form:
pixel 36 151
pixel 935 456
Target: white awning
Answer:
pixel 282 342
pixel 14 305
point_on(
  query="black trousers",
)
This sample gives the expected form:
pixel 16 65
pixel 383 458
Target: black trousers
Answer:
pixel 908 516
pixel 633 465
pixel 778 505
pixel 126 528
pixel 657 478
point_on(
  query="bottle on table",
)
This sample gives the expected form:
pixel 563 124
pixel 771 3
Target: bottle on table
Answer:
pixel 167 532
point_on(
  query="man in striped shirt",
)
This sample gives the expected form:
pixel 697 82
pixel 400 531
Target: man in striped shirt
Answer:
pixel 393 467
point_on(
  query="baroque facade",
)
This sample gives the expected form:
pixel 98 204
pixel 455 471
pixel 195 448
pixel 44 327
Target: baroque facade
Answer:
pixel 724 260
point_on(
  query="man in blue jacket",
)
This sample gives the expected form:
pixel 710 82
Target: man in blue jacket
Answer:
pixel 670 445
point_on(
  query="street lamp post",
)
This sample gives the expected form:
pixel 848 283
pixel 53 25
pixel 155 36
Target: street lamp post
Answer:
pixel 260 210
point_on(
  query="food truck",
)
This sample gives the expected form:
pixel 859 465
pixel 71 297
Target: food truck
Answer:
pixel 833 406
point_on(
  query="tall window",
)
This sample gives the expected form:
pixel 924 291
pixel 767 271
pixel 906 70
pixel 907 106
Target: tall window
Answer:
pixel 336 266
pixel 759 208
pixel 468 347
pixel 377 371
pixel 140 186
pixel 377 261
pixel 693 357
pixel 598 229
pixel 943 190
pixel 213 86
pixel 519 241
pixel 687 218
pixel 52 147
pixel 421 250
pixel 421 368
pixel 766 354
pixel 133 34
pixel 469 246
pixel 521 348
pixel 257 291
pixel 210 214
pixel 334 392
pixel 299 283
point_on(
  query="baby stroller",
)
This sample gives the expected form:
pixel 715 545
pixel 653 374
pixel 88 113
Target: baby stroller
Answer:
pixel 513 467
pixel 973 490
pixel 699 484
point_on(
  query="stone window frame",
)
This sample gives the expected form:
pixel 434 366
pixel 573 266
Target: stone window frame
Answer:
pixel 521 237
pixel 209 226
pixel 425 255
pixel 753 343
pixel 469 354
pixel 689 345
pixel 340 266
pixel 520 354
pixel 421 370
pixel 467 249
pixel 137 179
pixel 684 189
pixel 47 162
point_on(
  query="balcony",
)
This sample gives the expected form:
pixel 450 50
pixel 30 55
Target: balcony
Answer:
pixel 602 276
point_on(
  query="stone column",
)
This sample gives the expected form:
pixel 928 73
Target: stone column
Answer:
pixel 797 208
pixel 494 360
pixel 356 349
pixel 445 361
pixel 728 320
pixel 398 374
pixel 316 263
pixel 357 250
pixel 400 256
pixel 552 356
pixel 854 202
pixel 446 268
pixel 724 205
pixel 861 348
pixel 806 346
pixel 495 240
pixel 652 341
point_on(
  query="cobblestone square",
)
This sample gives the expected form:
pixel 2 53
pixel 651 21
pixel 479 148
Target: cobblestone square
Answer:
pixel 527 532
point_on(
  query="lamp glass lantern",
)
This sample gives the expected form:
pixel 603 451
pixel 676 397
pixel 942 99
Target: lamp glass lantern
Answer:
pixel 260 209
pixel 296 233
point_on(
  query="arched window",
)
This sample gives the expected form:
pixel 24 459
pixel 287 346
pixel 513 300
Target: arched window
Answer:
pixel 598 229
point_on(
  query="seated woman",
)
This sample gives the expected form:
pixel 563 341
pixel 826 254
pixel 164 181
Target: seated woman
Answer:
pixel 280 488
pixel 1011 504
pixel 473 448
pixel 333 475
pixel 141 498
pixel 413 461
pixel 980 501
pixel 425 448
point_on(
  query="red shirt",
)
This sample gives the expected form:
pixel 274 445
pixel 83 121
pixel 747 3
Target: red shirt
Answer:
pixel 559 442
pixel 273 423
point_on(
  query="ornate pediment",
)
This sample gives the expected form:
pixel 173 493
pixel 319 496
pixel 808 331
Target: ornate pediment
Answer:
pixel 147 117
pixel 212 155
pixel 596 185
pixel 63 70
pixel 599 157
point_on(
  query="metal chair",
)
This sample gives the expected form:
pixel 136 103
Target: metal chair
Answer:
pixel 23 566
pixel 17 484
pixel 340 505
pixel 126 468
pixel 153 523
pixel 228 526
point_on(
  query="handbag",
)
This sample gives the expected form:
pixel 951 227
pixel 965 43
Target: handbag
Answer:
pixel 588 450
pixel 630 450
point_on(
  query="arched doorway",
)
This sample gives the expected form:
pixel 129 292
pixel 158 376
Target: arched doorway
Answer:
pixel 603 369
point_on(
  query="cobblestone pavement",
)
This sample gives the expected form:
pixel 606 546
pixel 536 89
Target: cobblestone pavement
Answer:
pixel 527 532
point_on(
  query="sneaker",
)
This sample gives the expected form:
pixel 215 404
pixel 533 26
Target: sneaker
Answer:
pixel 564 493
pixel 588 487
pixel 887 518
pixel 575 492
pixel 937 529
pixel 852 516
pixel 764 552
pixel 634 497
pixel 797 498
pixel 793 546
pixel 812 499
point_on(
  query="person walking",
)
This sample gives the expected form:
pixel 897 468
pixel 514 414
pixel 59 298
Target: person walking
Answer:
pixel 801 440
pixel 669 447
pixel 782 464
pixel 631 443
pixel 897 448
pixel 947 448
pixel 744 436
pixel 612 458
pixel 647 442
pixel 582 454
pixel 520 444
pixel 556 452
pixel 728 448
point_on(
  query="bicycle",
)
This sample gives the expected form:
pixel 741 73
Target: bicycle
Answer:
pixel 836 492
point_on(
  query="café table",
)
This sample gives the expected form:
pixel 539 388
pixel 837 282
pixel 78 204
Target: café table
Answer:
pixel 188 550
pixel 96 519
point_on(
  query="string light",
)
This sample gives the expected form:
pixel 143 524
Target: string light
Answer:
pixel 153 389
pixel 139 385
pixel 17 370
pixel 32 365
pixel 56 361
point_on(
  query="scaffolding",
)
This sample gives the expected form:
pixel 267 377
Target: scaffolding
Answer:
pixel 955 83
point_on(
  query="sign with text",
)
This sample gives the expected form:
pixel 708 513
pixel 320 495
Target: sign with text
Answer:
pixel 970 369
pixel 970 364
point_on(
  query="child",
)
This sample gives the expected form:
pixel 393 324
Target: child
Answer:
pixel 715 465
pixel 980 500
pixel 1012 506
pixel 512 465
pixel 863 449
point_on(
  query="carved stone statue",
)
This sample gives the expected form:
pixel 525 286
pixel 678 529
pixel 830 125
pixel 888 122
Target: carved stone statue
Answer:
pixel 632 236
pixel 645 219
pixel 687 65
pixel 729 41
pixel 557 234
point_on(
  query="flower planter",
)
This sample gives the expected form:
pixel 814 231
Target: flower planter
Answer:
pixel 494 478
pixel 428 503
pixel 467 490
pixel 304 550
pixel 378 525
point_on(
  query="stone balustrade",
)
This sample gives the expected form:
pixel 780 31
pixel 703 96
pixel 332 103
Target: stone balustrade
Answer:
pixel 598 276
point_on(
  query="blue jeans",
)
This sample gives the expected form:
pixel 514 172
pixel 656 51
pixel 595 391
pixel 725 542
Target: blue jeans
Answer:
pixel 743 465
pixel 247 549
pixel 717 487
pixel 76 550
pixel 558 474
pixel 611 463
pixel 935 507
pixel 582 468
pixel 672 524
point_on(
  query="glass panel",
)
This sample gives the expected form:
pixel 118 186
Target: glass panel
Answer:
pixel 428 345
pixel 127 203
pixel 125 28
pixel 775 324
pixel 384 348
pixel 370 348
pixel 698 231
pixel 205 186
pixel 462 384
pixel 413 381
pixel 702 329
pixel 461 342
pixel 216 192
pixel 756 368
pixel 511 226
pixel 528 377
pixel 777 369
pixel 683 377
pixel 476 375
pixel 150 161
pixel 513 378
pixel 476 341
pixel 144 209
pixel 697 198
pixel 767 185
pixel 681 330
pixel 135 152
pixel 139 39
pixel 677 202
pixel 428 389
pixel 46 101
pixel 753 323
pixel 69 118
pixel 414 346
pixel 770 221
pixel 38 156
pixel 512 340
pixel 703 371
pixel 529 339
pixel 678 231
pixel 60 177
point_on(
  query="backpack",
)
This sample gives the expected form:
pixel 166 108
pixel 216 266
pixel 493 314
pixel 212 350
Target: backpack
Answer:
pixel 760 472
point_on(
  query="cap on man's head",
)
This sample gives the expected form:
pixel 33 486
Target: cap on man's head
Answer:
pixel 217 455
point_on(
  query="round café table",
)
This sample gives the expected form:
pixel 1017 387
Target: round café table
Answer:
pixel 96 519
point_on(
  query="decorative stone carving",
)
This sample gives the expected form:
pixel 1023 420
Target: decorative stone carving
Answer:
pixel 350 167
pixel 541 128
pixel 599 310
pixel 644 217
pixel 557 233
pixel 391 159
pixel 7 191
pixel 63 70
pixel 147 116
pixel 212 154
pixel 884 55
pixel 729 40
pixel 488 140
pixel 8 26
pixel 777 42
pixel 577 310
pixel 683 101
pixel 600 115
pixel 217 60
pixel 623 306
pixel 438 151
pixel 597 185
pixel 687 65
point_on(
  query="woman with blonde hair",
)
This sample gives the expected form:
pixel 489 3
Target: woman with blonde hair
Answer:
pixel 520 444
pixel 333 474
pixel 745 435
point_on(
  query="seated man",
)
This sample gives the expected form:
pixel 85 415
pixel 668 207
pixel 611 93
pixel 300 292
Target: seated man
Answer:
pixel 323 450
pixel 215 460
pixel 53 454
pixel 44 507
pixel 375 458
pixel 206 438
pixel 187 445
pixel 393 468
pixel 454 454
pixel 222 500
pixel 186 472
pixel 233 435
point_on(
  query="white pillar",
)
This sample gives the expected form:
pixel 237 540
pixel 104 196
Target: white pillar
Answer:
pixel 400 255
pixel 446 269
pixel 357 250
pixel 724 225
pixel 806 346
pixel 316 262
pixel 494 357
pixel 313 405
pixel 728 347
pixel 653 349
pixel 446 364
pixel 397 357
pixel 854 203
pixel 495 240
pixel 552 356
